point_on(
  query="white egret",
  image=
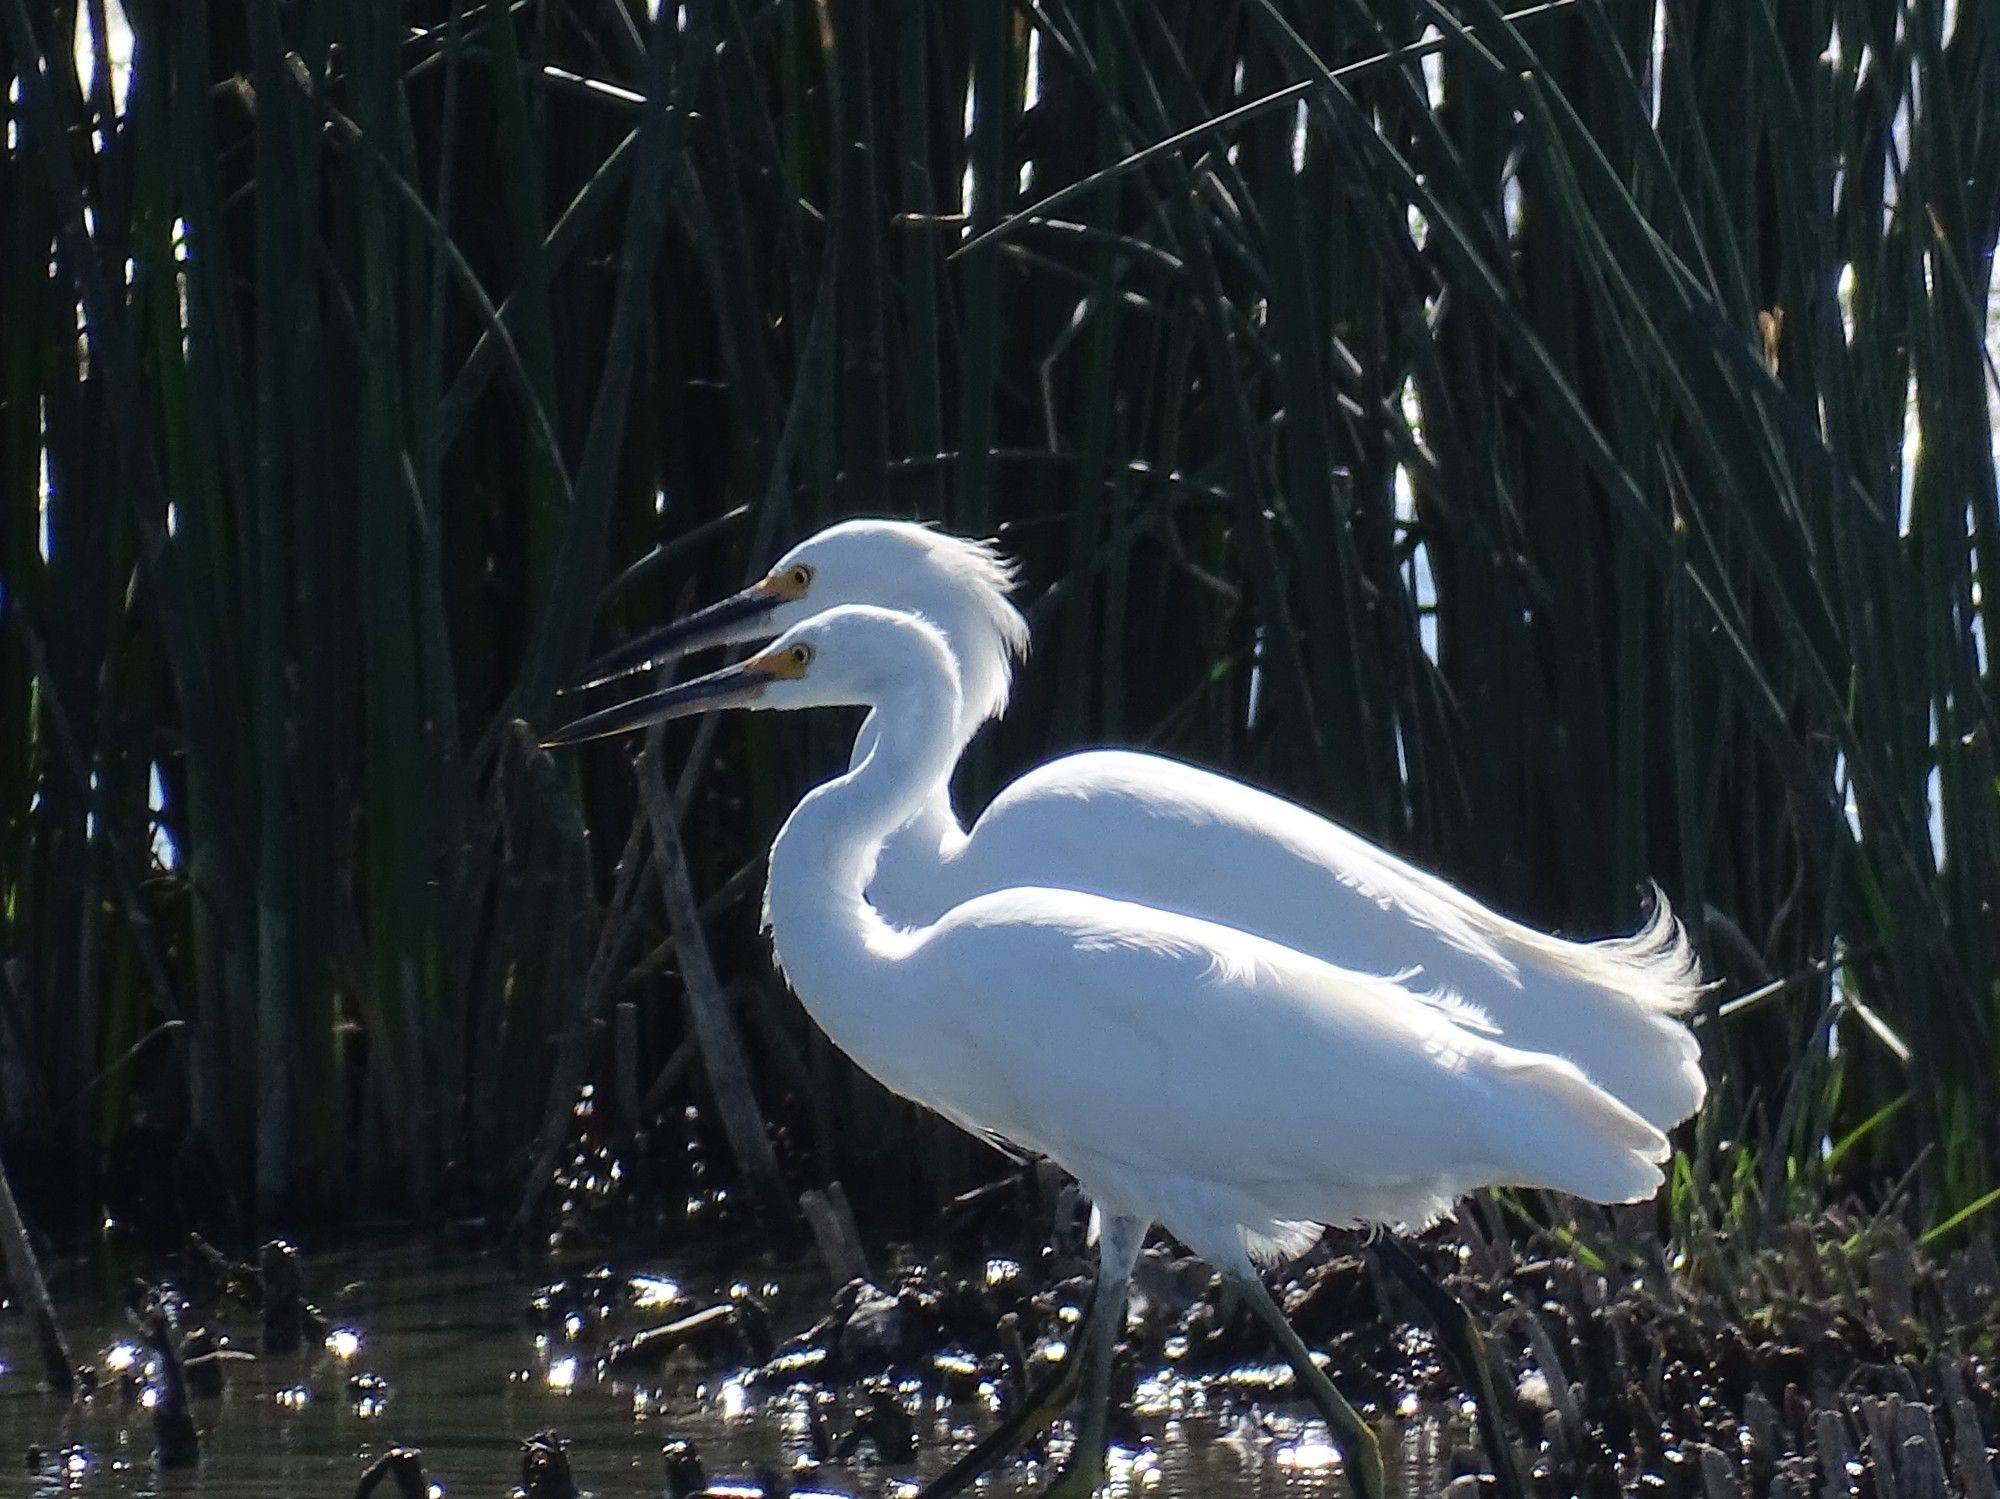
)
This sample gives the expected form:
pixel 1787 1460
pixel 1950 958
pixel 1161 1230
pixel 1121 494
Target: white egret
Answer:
pixel 1187 1073
pixel 1158 831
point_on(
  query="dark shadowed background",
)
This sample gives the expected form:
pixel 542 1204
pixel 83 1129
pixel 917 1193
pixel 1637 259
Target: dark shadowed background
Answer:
pixel 1566 455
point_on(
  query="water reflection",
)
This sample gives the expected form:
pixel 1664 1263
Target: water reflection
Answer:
pixel 444 1354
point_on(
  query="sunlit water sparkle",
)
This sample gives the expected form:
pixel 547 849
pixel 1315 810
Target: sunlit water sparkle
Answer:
pixel 437 1352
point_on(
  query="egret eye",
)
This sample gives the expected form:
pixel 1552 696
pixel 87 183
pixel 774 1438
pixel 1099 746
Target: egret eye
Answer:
pixel 786 584
pixel 801 656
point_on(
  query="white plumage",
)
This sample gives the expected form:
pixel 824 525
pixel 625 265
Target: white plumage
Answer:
pixel 1185 1072
pixel 1169 835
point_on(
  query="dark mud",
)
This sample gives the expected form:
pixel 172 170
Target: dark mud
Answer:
pixel 460 1362
pixel 1839 1362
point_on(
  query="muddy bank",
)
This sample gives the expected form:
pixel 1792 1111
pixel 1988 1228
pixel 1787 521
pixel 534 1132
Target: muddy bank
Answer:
pixel 1839 1361
pixel 1842 1360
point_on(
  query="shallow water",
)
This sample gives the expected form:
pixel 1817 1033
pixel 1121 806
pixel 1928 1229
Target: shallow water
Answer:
pixel 467 1378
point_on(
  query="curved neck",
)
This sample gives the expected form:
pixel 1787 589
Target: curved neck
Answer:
pixel 933 820
pixel 825 854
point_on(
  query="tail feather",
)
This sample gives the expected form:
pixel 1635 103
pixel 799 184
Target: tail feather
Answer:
pixel 1663 955
pixel 1656 967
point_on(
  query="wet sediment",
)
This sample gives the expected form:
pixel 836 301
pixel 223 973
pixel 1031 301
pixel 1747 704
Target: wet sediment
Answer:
pixel 1839 1360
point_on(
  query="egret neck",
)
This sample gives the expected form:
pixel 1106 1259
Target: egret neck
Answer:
pixel 984 656
pixel 836 948
pixel 931 827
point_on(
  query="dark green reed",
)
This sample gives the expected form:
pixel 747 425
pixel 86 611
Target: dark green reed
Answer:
pixel 1559 445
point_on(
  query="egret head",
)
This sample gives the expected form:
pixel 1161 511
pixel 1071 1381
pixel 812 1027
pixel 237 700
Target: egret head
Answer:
pixel 960 586
pixel 853 655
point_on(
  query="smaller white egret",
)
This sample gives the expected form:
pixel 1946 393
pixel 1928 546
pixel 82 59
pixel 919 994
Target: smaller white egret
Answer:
pixel 1155 830
pixel 1186 1073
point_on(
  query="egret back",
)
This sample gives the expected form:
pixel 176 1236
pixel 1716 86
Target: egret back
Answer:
pixel 1201 1076
pixel 1169 835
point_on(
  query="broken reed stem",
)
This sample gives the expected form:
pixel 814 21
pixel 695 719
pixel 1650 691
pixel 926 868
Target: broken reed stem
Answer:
pixel 834 1230
pixel 57 1366
pixel 715 1033
pixel 403 1466
pixel 176 1442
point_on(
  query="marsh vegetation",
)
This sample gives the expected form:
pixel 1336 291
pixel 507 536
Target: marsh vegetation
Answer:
pixel 1560 445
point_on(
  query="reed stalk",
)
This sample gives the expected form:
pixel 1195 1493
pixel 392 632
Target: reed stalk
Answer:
pixel 1557 441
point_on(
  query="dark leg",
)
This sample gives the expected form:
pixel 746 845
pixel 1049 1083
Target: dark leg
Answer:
pixel 1350 1433
pixel 1465 1349
pixel 1037 1413
pixel 1045 1402
pixel 1118 1243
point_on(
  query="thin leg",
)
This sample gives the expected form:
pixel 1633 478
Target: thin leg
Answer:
pixel 1118 1243
pixel 1037 1413
pixel 1465 1349
pixel 1047 1401
pixel 1350 1433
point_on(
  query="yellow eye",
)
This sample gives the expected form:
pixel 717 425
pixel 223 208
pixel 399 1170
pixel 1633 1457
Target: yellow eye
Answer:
pixel 801 576
pixel 801 656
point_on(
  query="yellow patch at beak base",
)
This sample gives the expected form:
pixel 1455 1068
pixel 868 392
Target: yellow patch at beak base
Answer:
pixel 786 587
pixel 781 665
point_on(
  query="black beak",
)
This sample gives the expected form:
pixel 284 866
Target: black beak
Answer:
pixel 718 624
pixel 732 687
